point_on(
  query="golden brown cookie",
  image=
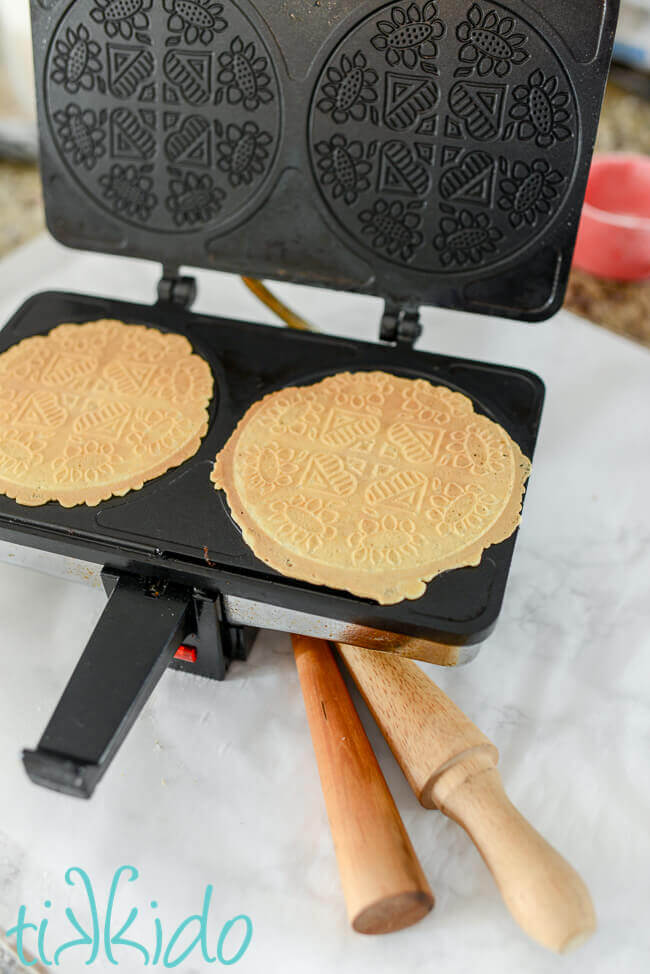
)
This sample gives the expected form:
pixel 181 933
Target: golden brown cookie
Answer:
pixel 91 411
pixel 371 483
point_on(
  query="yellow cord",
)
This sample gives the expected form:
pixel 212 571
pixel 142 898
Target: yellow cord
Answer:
pixel 278 308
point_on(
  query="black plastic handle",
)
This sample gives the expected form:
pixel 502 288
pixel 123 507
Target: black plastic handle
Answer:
pixel 132 645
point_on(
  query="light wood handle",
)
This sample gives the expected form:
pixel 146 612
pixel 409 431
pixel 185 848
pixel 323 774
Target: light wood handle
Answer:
pixel 451 765
pixel 384 886
pixel 423 727
pixel 544 894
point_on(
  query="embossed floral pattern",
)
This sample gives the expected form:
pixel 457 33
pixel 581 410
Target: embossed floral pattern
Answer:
pixel 455 403
pixel 540 111
pixel 410 36
pixel 423 404
pixel 297 420
pixel 343 168
pixel 466 238
pixel 270 467
pixel 23 363
pixel 245 76
pixel 459 510
pixel 244 153
pixel 181 383
pixel 476 450
pixel 394 228
pixel 350 89
pixel 386 541
pixel 193 198
pixel 86 462
pixel 122 18
pixel 490 42
pixel 20 451
pixel 530 192
pixel 82 135
pixel 76 63
pixel 129 190
pixel 195 20
pixel 156 431
pixel 304 522
pixel 154 350
pixel 369 391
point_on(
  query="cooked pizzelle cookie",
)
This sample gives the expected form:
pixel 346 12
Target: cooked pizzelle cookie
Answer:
pixel 95 410
pixel 371 483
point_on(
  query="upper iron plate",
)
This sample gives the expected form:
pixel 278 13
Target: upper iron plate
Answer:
pixel 428 152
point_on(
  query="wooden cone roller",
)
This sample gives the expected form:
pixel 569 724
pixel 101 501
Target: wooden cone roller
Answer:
pixel 384 886
pixel 451 765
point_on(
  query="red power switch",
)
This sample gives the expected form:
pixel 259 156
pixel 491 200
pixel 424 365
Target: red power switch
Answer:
pixel 186 654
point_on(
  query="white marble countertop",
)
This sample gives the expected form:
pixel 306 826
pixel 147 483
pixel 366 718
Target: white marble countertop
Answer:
pixel 217 784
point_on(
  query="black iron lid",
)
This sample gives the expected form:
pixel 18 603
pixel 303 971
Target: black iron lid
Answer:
pixel 430 152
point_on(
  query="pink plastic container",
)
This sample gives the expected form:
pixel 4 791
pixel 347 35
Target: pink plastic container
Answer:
pixel 614 235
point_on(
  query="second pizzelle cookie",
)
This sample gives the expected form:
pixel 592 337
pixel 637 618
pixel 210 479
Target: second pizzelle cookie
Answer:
pixel 371 483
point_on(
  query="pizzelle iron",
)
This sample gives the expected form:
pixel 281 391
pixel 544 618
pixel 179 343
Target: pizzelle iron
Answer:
pixel 439 155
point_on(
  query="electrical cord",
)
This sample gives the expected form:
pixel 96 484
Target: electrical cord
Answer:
pixel 279 308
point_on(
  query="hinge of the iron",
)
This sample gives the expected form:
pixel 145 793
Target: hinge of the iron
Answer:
pixel 176 290
pixel 400 324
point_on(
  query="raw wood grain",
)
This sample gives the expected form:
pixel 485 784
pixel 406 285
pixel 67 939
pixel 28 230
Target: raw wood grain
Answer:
pixel 451 765
pixel 384 886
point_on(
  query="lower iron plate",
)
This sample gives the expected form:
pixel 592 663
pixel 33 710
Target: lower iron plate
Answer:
pixel 178 527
